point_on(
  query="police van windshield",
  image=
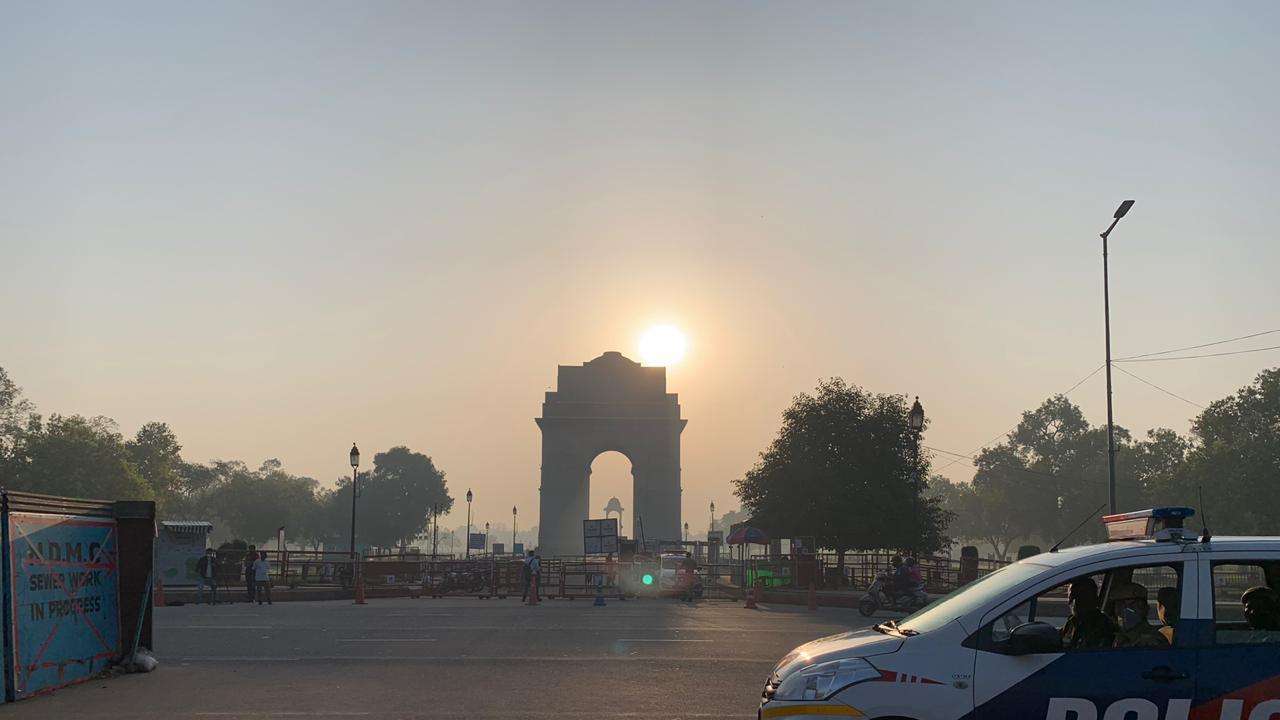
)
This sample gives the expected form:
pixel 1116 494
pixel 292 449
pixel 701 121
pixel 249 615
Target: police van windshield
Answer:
pixel 977 594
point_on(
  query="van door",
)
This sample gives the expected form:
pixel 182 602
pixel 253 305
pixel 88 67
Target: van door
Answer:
pixel 1134 674
pixel 1239 674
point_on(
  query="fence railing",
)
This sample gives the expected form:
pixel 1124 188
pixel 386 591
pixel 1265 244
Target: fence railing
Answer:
pixel 827 571
pixel 576 576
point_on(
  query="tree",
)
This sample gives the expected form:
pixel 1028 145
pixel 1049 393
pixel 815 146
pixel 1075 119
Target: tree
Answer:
pixel 395 503
pixel 155 452
pixel 1234 459
pixel 17 417
pixel 254 504
pixel 78 457
pixel 844 469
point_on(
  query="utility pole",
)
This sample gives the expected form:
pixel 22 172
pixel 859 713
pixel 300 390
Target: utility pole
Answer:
pixel 435 529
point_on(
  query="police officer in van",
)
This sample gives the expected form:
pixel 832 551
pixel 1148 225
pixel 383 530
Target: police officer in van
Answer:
pixel 1129 605
pixel 1088 627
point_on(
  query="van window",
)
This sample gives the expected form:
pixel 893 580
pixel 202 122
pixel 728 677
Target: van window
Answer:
pixel 985 591
pixel 1123 607
pixel 1246 604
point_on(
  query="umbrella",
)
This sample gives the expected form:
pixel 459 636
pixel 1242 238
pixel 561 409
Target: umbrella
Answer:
pixel 744 535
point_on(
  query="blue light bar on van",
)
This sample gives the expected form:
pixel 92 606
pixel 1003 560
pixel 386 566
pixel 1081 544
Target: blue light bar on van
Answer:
pixel 1147 524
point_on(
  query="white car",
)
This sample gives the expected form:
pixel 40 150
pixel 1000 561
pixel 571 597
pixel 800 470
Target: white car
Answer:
pixel 995 650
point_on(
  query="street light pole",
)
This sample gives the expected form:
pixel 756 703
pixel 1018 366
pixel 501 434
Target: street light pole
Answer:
pixel 355 463
pixel 1106 309
pixel 513 529
pixel 915 420
pixel 486 538
pixel 712 526
pixel 468 538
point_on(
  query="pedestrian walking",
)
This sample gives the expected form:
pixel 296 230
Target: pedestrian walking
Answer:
pixel 535 571
pixel 207 570
pixel 250 582
pixel 262 577
pixel 526 575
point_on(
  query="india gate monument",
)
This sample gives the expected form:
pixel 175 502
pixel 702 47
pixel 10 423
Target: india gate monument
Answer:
pixel 610 403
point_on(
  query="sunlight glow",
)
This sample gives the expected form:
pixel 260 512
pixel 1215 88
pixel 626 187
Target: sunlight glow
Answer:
pixel 663 345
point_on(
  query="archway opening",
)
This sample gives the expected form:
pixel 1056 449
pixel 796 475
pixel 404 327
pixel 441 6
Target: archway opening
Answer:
pixel 611 478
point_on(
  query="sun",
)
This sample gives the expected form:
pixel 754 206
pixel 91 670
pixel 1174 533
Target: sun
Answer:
pixel 663 345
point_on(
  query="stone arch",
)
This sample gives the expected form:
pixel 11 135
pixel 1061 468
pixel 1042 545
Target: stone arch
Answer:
pixel 609 404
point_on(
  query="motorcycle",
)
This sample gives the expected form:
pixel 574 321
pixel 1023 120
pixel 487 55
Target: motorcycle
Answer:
pixel 878 597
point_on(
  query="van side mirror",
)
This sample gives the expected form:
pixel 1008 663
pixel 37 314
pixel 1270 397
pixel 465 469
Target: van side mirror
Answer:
pixel 1034 638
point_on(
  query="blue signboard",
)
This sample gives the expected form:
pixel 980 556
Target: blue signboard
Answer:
pixel 475 541
pixel 64 582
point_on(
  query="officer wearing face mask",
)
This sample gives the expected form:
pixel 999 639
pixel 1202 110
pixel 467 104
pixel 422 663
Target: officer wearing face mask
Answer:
pixel 1130 609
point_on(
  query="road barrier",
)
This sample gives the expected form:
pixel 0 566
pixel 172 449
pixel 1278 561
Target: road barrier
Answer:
pixel 941 574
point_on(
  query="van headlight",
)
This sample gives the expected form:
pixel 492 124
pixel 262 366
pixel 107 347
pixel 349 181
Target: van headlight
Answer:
pixel 821 681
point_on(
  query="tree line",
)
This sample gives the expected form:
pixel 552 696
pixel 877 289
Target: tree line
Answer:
pixel 846 470
pixel 88 457
pixel 1050 472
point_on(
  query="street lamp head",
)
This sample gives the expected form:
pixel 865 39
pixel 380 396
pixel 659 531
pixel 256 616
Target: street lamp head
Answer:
pixel 1123 209
pixel 355 456
pixel 468 496
pixel 916 418
pixel 513 509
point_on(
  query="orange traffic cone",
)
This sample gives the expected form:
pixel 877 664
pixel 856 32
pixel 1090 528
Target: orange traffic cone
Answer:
pixel 533 597
pixel 158 600
pixel 813 597
pixel 360 589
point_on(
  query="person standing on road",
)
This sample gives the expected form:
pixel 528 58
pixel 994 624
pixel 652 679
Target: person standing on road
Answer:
pixel 526 575
pixel 249 580
pixel 207 569
pixel 262 578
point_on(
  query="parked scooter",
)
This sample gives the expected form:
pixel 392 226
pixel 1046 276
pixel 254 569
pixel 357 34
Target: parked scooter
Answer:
pixel 878 597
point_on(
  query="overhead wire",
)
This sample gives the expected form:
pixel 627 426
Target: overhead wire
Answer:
pixel 969 457
pixel 1170 393
pixel 1197 357
pixel 1197 347
pixel 972 458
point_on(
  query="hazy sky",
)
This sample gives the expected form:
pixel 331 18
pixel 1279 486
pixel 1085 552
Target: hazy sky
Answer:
pixel 282 227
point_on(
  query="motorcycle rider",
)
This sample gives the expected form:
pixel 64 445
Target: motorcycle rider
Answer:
pixel 1129 606
pixel 900 579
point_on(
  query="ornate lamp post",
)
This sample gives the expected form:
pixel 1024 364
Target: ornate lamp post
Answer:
pixel 712 526
pixel 355 464
pixel 468 539
pixel 915 420
pixel 486 537
pixel 513 529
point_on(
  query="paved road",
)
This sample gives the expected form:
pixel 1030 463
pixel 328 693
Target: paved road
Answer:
pixel 452 658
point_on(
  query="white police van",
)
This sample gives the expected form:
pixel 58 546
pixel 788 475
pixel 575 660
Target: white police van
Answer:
pixel 994 649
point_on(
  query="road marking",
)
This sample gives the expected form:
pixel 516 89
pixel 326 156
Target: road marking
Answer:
pixel 220 627
pixel 386 640
pixel 469 715
pixel 207 659
pixel 635 640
